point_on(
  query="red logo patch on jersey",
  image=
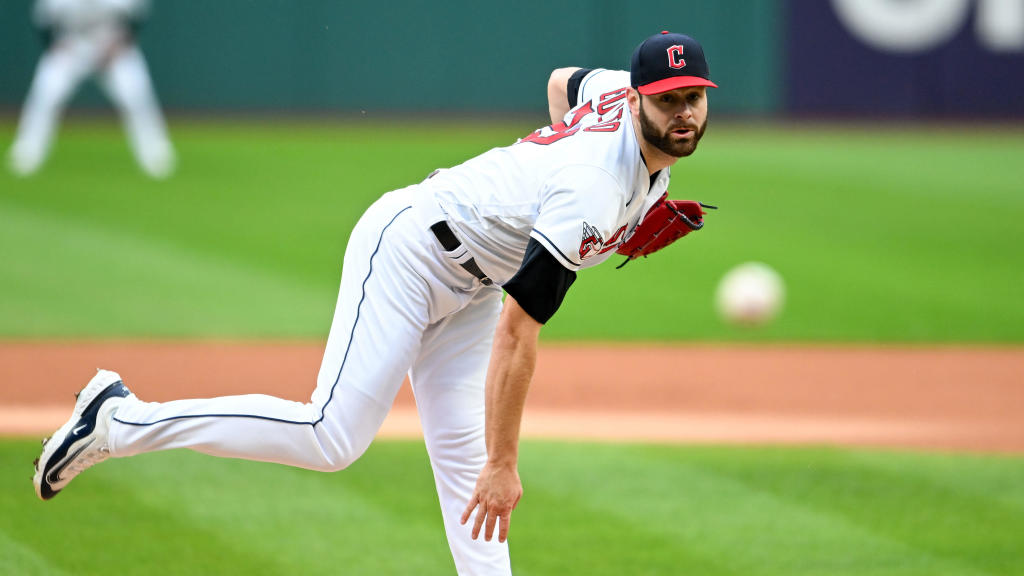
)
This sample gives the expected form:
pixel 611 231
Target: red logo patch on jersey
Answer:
pixel 675 56
pixel 592 241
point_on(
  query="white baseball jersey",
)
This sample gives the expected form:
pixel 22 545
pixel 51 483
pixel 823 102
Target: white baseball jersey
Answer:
pixel 70 16
pixel 578 187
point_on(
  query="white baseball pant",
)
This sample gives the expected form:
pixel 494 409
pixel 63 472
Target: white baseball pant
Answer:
pixel 405 306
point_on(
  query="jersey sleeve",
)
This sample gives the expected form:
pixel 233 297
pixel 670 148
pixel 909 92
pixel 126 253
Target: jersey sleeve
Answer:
pixel 580 208
pixel 541 283
pixel 600 81
pixel 572 86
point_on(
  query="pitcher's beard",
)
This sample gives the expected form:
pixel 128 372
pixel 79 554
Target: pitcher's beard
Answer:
pixel 663 140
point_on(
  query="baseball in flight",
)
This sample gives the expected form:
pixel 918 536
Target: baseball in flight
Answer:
pixel 750 294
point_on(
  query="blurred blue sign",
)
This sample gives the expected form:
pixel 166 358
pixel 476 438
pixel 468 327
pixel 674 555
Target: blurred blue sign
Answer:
pixel 939 58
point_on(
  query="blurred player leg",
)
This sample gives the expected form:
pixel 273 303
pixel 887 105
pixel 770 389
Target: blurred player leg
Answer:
pixel 57 75
pixel 126 80
pixel 381 313
pixel 448 381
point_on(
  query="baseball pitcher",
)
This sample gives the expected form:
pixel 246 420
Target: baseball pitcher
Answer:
pixel 421 294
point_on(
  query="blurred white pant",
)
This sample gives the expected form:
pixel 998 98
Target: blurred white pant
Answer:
pixel 125 79
pixel 404 306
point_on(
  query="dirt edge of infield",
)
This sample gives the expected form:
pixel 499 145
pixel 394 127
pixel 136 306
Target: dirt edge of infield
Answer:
pixel 947 397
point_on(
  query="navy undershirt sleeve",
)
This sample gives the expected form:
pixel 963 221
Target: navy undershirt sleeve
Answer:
pixel 540 284
pixel 572 89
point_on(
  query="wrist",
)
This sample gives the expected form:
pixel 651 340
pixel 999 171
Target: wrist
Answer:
pixel 504 461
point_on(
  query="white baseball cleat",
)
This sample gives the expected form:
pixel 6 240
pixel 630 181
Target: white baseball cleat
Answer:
pixel 82 440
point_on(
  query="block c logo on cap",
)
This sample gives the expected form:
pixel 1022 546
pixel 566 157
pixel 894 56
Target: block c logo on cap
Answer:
pixel 675 56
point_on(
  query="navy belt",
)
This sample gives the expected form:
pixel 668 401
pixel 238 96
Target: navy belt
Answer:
pixel 448 240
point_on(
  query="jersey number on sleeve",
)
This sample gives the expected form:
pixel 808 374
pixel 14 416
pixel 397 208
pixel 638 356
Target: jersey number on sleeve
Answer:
pixel 609 109
pixel 556 132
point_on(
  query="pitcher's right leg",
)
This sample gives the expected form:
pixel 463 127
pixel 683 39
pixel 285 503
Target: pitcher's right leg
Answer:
pixel 448 379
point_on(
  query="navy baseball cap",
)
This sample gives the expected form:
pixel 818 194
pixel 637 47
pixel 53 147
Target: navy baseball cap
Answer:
pixel 668 61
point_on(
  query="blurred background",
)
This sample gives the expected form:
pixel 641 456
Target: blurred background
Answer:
pixel 773 58
pixel 409 57
pixel 869 151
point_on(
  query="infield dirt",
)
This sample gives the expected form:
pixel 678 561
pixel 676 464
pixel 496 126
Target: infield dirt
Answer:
pixel 949 398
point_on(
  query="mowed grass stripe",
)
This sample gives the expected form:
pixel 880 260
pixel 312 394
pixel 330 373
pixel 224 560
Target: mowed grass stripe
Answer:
pixel 184 513
pixel 22 560
pixel 131 275
pixel 946 526
pixel 997 481
pixel 881 233
pixel 104 529
pixel 717 524
pixel 579 530
pixel 323 523
pixel 594 509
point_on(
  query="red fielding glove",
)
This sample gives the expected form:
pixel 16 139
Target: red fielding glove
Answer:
pixel 666 222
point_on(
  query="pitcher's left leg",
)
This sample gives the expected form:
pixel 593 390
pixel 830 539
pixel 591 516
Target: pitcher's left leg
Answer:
pixel 374 338
pixel 448 381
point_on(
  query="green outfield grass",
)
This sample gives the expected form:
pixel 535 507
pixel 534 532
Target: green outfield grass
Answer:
pixel 882 234
pixel 593 510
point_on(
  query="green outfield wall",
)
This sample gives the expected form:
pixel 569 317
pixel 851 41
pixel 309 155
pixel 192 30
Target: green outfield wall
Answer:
pixel 412 55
